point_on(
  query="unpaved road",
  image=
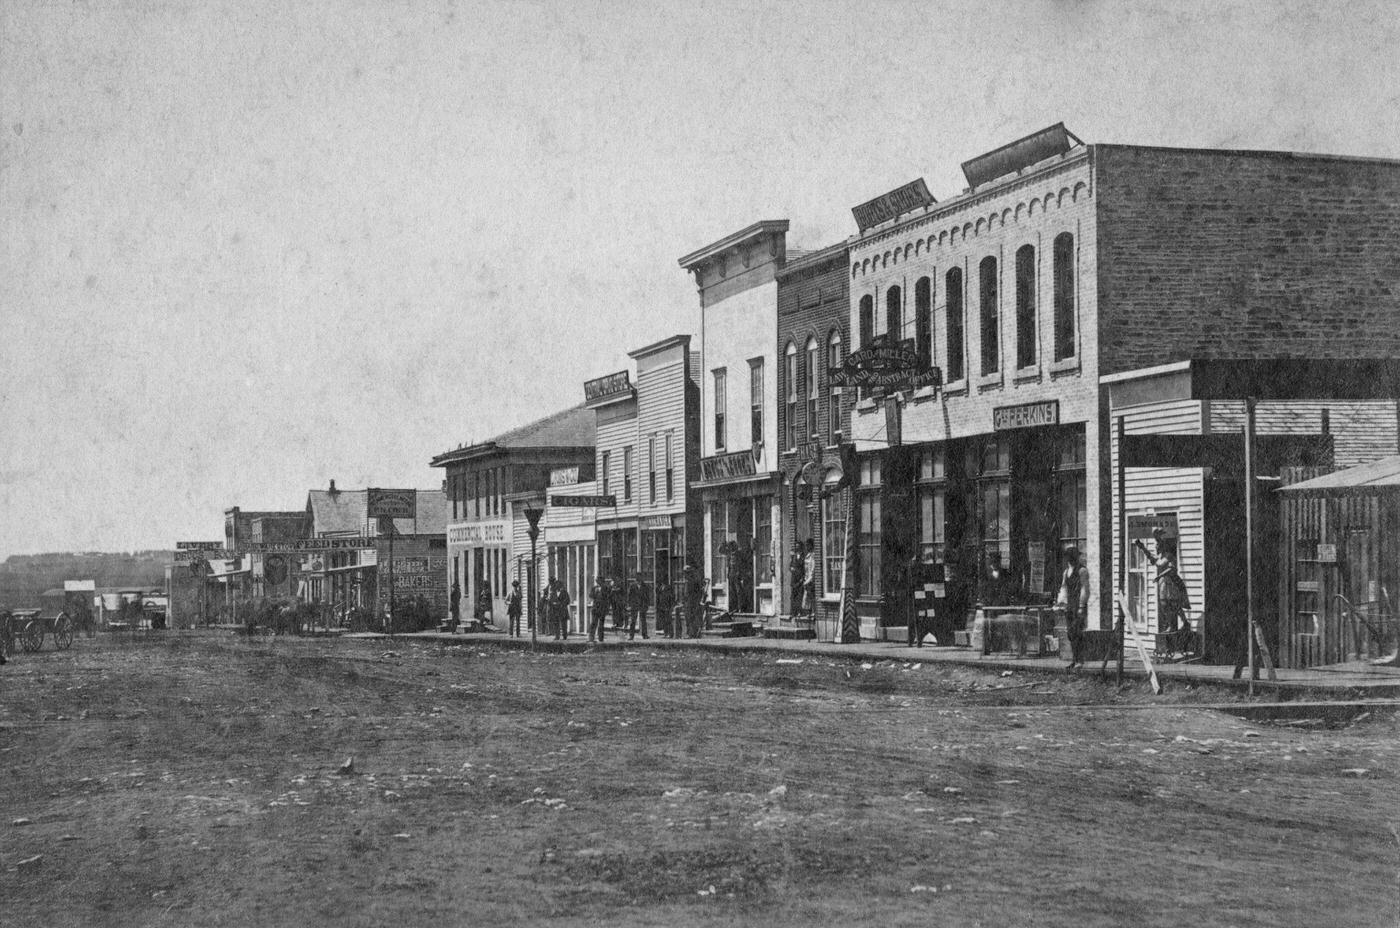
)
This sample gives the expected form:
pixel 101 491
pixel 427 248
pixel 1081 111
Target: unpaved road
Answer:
pixel 196 780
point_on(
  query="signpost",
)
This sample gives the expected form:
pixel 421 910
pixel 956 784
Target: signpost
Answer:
pixel 533 515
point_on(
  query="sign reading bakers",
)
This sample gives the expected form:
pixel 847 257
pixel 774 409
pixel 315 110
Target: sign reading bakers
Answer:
pixel 391 504
pixel 1026 415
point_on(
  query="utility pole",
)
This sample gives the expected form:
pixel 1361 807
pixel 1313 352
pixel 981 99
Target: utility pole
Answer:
pixel 1249 534
pixel 533 515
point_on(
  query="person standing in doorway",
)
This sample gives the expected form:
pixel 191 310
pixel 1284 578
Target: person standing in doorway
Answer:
pixel 798 578
pixel 513 609
pixel 455 605
pixel 694 600
pixel 1074 598
pixel 809 578
pixel 665 611
pixel 1173 601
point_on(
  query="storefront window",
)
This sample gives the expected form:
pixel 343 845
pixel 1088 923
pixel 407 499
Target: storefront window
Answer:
pixel 647 564
pixel 719 534
pixel 1071 490
pixel 833 540
pixel 996 500
pixel 933 500
pixel 762 540
pixel 868 527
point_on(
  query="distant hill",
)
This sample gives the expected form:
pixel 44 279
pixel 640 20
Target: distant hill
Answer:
pixel 24 577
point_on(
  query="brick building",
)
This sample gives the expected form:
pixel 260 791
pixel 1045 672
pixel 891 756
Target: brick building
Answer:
pixel 1063 263
pixel 813 420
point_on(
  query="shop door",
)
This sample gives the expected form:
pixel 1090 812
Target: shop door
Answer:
pixel 900 536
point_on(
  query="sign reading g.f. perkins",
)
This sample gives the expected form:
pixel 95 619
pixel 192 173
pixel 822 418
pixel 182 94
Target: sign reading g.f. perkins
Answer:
pixel 1026 416
pixel 895 203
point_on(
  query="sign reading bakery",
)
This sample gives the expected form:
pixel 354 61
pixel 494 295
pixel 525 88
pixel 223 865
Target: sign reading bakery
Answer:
pixel 1026 416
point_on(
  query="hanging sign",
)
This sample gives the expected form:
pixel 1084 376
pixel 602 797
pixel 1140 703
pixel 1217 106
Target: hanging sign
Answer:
pixel 584 502
pixel 391 504
pixel 894 366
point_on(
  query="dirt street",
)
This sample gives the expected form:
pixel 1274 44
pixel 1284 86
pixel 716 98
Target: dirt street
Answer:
pixel 203 780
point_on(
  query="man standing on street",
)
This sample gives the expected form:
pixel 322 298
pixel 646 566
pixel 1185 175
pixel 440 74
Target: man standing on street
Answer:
pixel 559 604
pixel 597 608
pixel 694 600
pixel 455 605
pixel 513 609
pixel 637 603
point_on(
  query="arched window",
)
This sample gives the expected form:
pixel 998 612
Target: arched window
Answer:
pixel 1064 296
pixel 790 367
pixel 987 311
pixel 953 287
pixel 894 314
pixel 833 397
pixel 1025 306
pixel 867 319
pixel 813 359
pixel 923 321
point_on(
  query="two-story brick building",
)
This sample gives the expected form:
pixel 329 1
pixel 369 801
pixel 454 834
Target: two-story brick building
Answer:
pixel 813 420
pixel 1064 263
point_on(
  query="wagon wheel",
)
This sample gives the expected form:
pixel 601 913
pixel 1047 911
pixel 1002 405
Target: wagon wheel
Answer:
pixel 32 637
pixel 63 632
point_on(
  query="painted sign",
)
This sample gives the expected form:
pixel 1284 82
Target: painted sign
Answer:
pixel 406 566
pixel 728 466
pixel 890 365
pixel 601 388
pixel 199 546
pixel 391 504
pixel 350 543
pixel 913 195
pixel 563 476
pixel 189 556
pixel 1026 415
pixel 1140 525
pixel 479 533
pixel 584 502
pixel 656 523
pixel 79 586
pixel 275 569
pixel 1327 554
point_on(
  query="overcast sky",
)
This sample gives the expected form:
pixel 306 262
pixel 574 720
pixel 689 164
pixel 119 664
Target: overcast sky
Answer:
pixel 249 247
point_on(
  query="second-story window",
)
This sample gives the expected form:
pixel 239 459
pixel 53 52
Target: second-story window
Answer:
pixel 867 320
pixel 627 474
pixel 1064 296
pixel 670 471
pixel 607 460
pixel 1025 306
pixel 812 386
pixel 833 397
pixel 987 310
pixel 923 322
pixel 651 469
pixel 756 402
pixel 894 314
pixel 953 287
pixel 790 423
pixel 720 402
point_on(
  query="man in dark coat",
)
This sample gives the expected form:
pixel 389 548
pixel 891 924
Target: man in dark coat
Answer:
pixel 1074 596
pixel 455 605
pixel 559 602
pixel 597 609
pixel 638 601
pixel 665 611
pixel 513 609
pixel 694 600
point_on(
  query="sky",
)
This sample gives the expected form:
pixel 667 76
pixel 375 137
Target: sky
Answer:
pixel 250 247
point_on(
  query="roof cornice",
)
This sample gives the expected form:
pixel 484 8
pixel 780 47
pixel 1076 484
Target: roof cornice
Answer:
pixel 729 241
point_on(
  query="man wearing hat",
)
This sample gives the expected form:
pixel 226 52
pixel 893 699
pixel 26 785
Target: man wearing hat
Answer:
pixel 513 609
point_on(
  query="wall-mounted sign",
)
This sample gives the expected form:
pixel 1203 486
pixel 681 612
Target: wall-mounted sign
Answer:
pixel 728 466
pixel 190 555
pixel 563 476
pixel 897 202
pixel 656 523
pixel 199 545
pixel 391 504
pixel 275 569
pixel 1141 525
pixel 352 543
pixel 419 565
pixel 479 533
pixel 584 502
pixel 612 385
pixel 1026 415
pixel 1327 554
pixel 893 366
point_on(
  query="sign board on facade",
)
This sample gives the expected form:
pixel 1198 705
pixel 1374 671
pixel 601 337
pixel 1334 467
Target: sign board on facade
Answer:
pixel 728 466
pixel 656 523
pixel 408 566
pixel 350 543
pixel 602 388
pixel 913 195
pixel 1140 525
pixel 190 555
pixel 199 546
pixel 584 502
pixel 1026 415
pixel 563 476
pixel 79 586
pixel 889 365
pixel 479 533
pixel 391 504
pixel 1327 554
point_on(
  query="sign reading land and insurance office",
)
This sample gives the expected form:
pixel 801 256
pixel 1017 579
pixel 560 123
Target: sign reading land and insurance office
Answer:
pixel 892 366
